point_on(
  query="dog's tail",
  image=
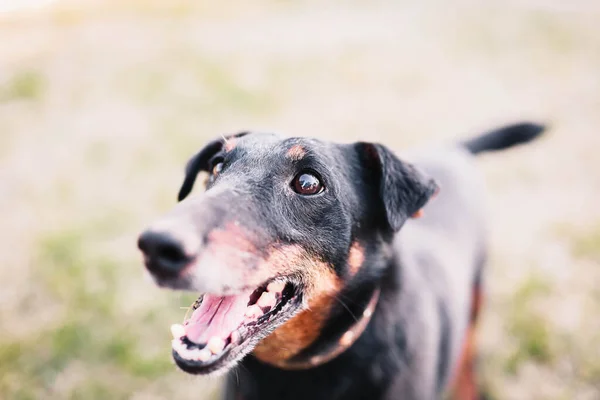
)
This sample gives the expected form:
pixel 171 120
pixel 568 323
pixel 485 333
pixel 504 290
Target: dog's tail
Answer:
pixel 505 137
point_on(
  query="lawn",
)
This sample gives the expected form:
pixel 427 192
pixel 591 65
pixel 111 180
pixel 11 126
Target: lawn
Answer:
pixel 101 103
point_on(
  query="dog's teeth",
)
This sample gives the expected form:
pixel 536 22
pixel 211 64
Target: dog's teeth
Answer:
pixel 179 347
pixel 178 331
pixel 193 354
pixel 176 344
pixel 204 355
pixel 235 337
pixel 187 354
pixel 267 299
pixel 276 286
pixel 215 344
pixel 253 311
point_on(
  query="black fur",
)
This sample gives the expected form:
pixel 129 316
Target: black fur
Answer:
pixel 200 162
pixel 505 137
pixel 403 189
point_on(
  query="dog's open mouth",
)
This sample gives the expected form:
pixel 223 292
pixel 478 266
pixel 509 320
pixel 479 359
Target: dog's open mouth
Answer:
pixel 221 330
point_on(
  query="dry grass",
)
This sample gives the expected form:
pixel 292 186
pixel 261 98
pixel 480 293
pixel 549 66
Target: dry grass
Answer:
pixel 101 103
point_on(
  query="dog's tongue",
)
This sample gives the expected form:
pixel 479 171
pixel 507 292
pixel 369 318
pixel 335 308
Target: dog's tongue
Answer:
pixel 216 316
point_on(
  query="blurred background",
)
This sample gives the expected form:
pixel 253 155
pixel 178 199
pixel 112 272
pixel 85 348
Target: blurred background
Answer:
pixel 103 101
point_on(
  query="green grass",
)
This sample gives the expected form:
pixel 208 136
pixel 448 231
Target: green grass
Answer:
pixel 95 390
pixel 586 244
pixel 583 240
pixel 98 331
pixel 528 327
pixel 197 86
pixel 24 85
pixel 91 328
pixel 547 30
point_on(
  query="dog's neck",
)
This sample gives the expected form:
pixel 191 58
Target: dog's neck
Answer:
pixel 336 370
pixel 350 313
pixel 337 337
pixel 344 323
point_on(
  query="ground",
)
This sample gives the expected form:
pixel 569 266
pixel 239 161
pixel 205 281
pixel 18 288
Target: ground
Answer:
pixel 101 103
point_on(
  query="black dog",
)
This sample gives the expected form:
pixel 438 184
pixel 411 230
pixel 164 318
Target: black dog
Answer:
pixel 308 279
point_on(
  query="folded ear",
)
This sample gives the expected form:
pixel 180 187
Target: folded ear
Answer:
pixel 200 161
pixel 402 188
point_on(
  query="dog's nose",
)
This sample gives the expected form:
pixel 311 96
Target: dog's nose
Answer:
pixel 165 255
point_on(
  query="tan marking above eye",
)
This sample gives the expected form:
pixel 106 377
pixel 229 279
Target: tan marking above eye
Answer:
pixel 296 152
pixel 229 145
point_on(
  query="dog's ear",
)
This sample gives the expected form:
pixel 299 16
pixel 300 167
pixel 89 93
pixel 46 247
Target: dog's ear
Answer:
pixel 200 161
pixel 402 188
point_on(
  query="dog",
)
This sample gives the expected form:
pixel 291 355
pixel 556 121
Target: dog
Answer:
pixel 329 271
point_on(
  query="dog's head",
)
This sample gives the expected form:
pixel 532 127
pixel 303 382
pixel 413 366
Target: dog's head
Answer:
pixel 283 226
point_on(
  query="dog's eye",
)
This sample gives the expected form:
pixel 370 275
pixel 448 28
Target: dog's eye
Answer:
pixel 218 167
pixel 307 183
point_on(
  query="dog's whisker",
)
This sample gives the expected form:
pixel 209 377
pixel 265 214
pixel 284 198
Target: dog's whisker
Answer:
pixel 335 297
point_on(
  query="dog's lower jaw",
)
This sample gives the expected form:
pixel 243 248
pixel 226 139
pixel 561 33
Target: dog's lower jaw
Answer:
pixel 197 350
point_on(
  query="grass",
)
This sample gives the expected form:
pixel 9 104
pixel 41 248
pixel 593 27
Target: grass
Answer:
pixel 91 330
pixel 24 85
pixel 196 84
pixel 586 243
pixel 528 327
pixel 168 76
